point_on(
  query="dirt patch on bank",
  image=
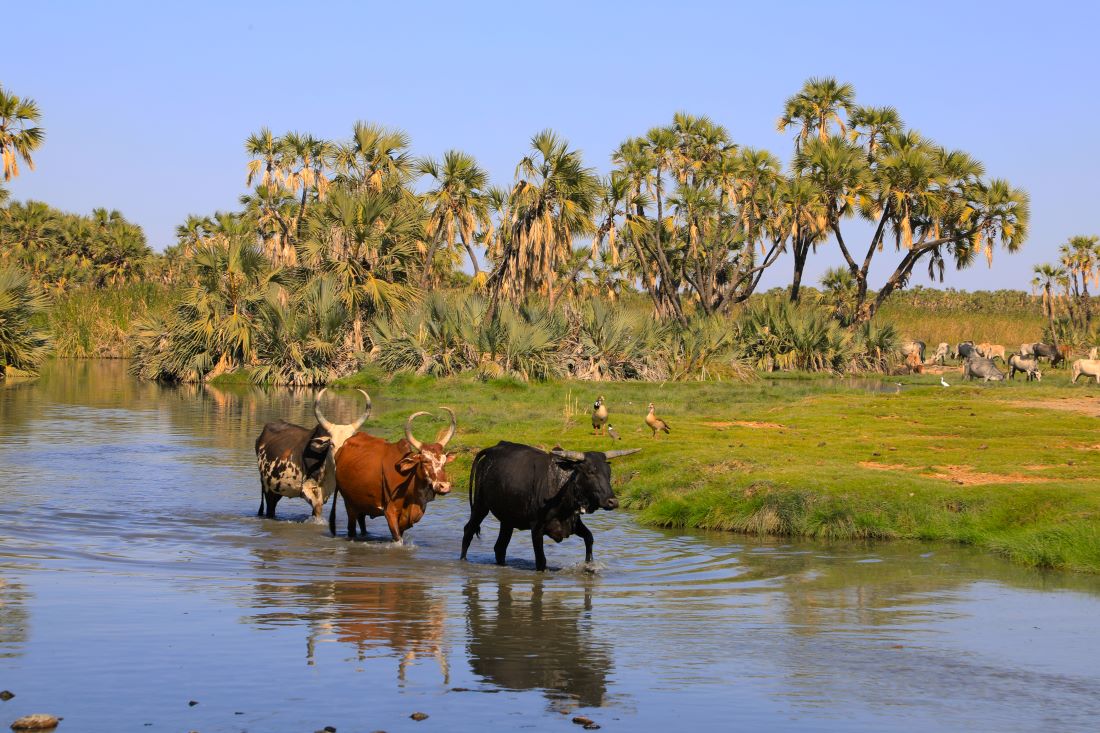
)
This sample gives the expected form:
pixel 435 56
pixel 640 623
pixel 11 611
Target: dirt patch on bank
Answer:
pixel 967 476
pixel 885 466
pixel 964 475
pixel 1084 405
pixel 744 424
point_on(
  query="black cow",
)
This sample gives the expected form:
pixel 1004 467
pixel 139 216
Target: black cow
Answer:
pixel 296 461
pixel 1048 351
pixel 527 488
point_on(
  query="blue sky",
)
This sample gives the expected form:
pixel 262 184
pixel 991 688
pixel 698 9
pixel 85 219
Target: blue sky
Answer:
pixel 147 105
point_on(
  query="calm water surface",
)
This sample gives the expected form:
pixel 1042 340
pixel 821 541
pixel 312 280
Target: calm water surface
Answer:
pixel 135 578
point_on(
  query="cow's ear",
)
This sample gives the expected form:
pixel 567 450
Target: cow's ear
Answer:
pixel 450 457
pixel 408 463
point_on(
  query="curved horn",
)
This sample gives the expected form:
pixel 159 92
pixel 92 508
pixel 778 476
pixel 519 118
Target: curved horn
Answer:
pixel 318 414
pixel 451 432
pixel 573 455
pixel 408 429
pixel 366 410
pixel 608 455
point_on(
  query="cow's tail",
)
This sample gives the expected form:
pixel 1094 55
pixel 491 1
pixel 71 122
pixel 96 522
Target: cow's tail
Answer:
pixel 332 511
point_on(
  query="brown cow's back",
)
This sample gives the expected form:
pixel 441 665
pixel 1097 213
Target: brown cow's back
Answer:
pixel 359 471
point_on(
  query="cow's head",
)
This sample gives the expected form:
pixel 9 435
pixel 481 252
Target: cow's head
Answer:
pixel 1038 375
pixel 429 460
pixel 319 456
pixel 590 479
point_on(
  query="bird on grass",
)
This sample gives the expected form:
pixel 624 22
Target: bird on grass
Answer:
pixel 599 415
pixel 944 382
pixel 655 423
pixel 613 432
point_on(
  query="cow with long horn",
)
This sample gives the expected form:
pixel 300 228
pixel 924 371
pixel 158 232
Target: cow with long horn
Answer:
pixel 545 492
pixel 392 480
pixel 296 461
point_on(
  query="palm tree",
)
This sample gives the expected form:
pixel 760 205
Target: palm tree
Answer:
pixel 821 102
pixel 456 204
pixel 1047 277
pixel 267 153
pixel 306 158
pixel 375 158
pixel 21 346
pixel 1081 260
pixel 192 232
pixel 367 241
pixel 20 134
pixel 873 124
pixel 552 202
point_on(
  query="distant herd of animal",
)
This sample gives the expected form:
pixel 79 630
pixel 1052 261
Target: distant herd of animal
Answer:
pixel 979 360
pixel 525 488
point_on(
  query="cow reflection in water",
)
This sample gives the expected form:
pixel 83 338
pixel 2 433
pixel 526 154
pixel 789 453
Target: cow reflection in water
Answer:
pixel 380 618
pixel 522 638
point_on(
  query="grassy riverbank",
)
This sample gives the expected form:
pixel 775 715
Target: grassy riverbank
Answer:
pixel 95 322
pixel 1008 468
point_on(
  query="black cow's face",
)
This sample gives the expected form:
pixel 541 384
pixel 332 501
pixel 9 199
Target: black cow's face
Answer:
pixel 316 451
pixel 593 476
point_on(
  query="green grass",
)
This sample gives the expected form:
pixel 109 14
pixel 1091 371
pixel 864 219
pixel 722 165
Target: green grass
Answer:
pixel 994 466
pixel 94 323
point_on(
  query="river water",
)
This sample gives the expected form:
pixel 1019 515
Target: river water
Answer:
pixel 135 580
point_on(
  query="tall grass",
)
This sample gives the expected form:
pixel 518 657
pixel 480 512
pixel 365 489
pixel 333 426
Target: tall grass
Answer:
pixel 95 322
pixel 1007 317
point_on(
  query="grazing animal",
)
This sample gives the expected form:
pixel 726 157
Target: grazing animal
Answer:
pixel 1029 365
pixel 912 346
pixel 963 350
pixel 944 382
pixel 526 488
pixel 599 415
pixel 296 461
pixel 1088 367
pixel 655 423
pixel 941 353
pixel 1026 350
pixel 978 367
pixel 613 432
pixel 991 351
pixel 1048 351
pixel 395 480
pixel 913 363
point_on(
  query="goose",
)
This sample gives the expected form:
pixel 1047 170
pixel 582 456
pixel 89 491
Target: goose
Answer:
pixel 944 382
pixel 599 415
pixel 655 423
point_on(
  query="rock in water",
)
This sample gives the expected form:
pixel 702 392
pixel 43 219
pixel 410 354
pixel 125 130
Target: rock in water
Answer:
pixel 581 720
pixel 36 721
pixel 419 716
pixel 6 695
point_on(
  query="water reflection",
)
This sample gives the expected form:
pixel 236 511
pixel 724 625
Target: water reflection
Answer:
pixel 380 616
pixel 523 637
pixel 14 619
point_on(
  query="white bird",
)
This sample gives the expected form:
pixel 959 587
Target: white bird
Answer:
pixel 944 382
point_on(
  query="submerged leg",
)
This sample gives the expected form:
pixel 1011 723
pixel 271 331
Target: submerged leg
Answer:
pixel 477 516
pixel 260 511
pixel 536 542
pixel 501 546
pixel 585 534
pixel 272 500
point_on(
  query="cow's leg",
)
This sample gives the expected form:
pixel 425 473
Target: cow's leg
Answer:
pixel 585 534
pixel 353 517
pixel 272 500
pixel 363 524
pixel 260 511
pixel 477 516
pixel 536 542
pixel 501 546
pixel 392 521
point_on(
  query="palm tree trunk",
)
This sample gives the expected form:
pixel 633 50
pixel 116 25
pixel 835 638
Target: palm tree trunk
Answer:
pixel 470 252
pixel 801 254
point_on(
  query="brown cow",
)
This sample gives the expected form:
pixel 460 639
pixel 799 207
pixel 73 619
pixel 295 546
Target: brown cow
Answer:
pixel 395 480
